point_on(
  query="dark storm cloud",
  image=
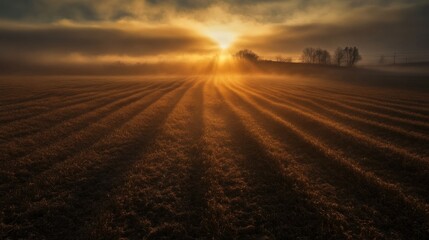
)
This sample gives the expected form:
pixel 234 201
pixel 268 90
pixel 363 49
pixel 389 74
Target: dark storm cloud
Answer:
pixel 32 41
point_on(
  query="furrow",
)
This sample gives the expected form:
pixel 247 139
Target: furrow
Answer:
pixel 378 107
pixel 317 107
pixel 58 96
pixel 164 190
pixel 52 118
pixel 40 160
pixel 370 114
pixel 385 100
pixel 231 206
pixel 334 217
pixel 23 113
pixel 26 145
pixel 400 169
pixel 339 157
pixel 81 181
pixel 347 131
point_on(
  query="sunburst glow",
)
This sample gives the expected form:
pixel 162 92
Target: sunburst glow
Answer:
pixel 223 38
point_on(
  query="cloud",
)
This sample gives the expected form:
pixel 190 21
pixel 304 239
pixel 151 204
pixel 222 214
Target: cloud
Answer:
pixel 36 41
pixel 395 29
pixel 167 10
pixel 268 27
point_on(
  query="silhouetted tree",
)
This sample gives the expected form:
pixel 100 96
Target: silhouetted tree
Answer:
pixel 348 55
pixel 316 56
pixel 308 55
pixel 247 55
pixel 339 56
pixel 352 55
pixel 322 56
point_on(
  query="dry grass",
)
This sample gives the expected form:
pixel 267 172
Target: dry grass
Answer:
pixel 215 157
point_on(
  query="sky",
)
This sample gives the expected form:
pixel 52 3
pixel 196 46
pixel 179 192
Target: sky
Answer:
pixel 136 31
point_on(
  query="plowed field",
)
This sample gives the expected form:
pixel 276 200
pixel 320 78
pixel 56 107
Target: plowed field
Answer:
pixel 216 157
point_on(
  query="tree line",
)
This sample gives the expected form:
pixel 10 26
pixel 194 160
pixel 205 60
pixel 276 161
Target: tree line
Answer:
pixel 347 56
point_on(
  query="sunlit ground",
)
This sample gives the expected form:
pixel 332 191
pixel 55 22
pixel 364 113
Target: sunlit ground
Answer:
pixel 219 155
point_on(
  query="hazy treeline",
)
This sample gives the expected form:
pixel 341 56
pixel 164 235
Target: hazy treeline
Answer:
pixel 315 56
pixel 347 56
pixel 247 54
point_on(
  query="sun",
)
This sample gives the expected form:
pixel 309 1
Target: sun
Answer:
pixel 223 45
pixel 223 38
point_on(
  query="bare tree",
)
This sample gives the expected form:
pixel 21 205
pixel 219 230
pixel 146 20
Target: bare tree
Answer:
pixel 322 56
pixel 247 55
pixel 352 55
pixel 308 55
pixel 348 55
pixel 315 56
pixel 339 56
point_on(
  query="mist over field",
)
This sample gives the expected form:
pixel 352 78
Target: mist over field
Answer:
pixel 214 119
